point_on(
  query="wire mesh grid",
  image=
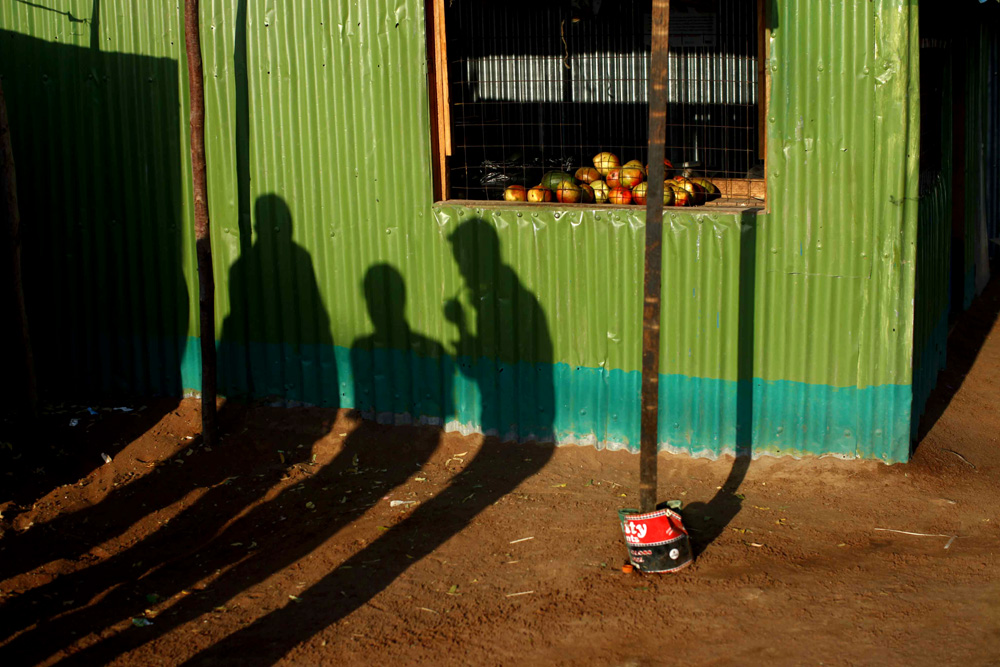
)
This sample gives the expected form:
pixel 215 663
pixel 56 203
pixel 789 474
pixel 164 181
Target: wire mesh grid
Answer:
pixel 546 85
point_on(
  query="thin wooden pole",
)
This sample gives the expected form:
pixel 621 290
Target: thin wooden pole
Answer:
pixel 8 190
pixel 652 266
pixel 206 279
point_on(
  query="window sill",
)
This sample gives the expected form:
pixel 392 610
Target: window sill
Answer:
pixel 721 205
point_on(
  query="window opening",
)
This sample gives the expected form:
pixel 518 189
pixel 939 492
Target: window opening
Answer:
pixel 545 86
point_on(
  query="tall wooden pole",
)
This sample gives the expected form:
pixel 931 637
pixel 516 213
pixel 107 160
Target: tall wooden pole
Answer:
pixel 8 194
pixel 206 280
pixel 652 266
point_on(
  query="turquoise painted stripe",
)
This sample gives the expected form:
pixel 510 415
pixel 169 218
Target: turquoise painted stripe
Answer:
pixel 700 416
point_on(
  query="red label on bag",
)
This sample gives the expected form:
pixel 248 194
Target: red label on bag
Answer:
pixel 653 528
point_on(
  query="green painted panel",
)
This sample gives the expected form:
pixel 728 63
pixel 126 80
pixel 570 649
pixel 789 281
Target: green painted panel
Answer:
pixel 100 141
pixel 837 242
pixel 821 139
pixel 887 318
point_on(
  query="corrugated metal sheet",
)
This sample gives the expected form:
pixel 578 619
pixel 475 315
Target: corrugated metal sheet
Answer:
pixel 972 50
pixel 993 139
pixel 976 90
pixel 100 143
pixel 932 298
pixel 334 269
pixel 838 243
pixel 337 145
pixel 993 143
pixel 932 295
pixel 817 239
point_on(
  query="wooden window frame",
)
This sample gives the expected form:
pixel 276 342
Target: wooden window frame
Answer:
pixel 437 71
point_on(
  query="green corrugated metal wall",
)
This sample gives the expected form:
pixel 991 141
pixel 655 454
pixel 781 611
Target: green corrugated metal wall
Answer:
pixel 932 299
pixel 976 52
pixel 968 46
pixel 839 241
pixel 792 330
pixel 100 148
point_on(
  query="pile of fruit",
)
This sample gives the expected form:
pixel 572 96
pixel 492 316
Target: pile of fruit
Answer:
pixel 609 181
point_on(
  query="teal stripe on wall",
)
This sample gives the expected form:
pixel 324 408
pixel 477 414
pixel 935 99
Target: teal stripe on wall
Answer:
pixel 970 287
pixel 699 416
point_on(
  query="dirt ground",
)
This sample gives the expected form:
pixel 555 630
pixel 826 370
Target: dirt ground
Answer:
pixel 283 543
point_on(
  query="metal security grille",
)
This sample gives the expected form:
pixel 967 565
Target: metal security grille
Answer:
pixel 548 84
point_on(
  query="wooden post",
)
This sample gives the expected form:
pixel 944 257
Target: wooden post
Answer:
pixel 206 280
pixel 651 271
pixel 8 191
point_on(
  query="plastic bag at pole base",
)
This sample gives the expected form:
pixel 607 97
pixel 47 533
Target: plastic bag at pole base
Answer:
pixel 657 541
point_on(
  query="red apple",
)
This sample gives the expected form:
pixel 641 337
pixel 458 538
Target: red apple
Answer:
pixel 568 192
pixel 631 176
pixel 587 175
pixel 697 192
pixel 539 193
pixel 711 189
pixel 620 196
pixel 639 193
pixel 666 163
pixel 611 178
pixel 681 196
pixel 588 193
pixel 515 193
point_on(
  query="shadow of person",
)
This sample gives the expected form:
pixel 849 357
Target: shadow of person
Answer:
pixel 266 458
pixel 374 461
pixel 395 369
pixel 276 340
pixel 510 360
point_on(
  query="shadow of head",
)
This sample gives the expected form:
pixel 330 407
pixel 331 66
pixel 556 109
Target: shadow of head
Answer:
pixel 476 246
pixel 272 219
pixel 385 296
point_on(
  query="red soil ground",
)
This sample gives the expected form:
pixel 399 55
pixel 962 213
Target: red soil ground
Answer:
pixel 281 544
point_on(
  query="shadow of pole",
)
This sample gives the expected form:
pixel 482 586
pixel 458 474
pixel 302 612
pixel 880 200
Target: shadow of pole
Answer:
pixel 241 142
pixel 95 26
